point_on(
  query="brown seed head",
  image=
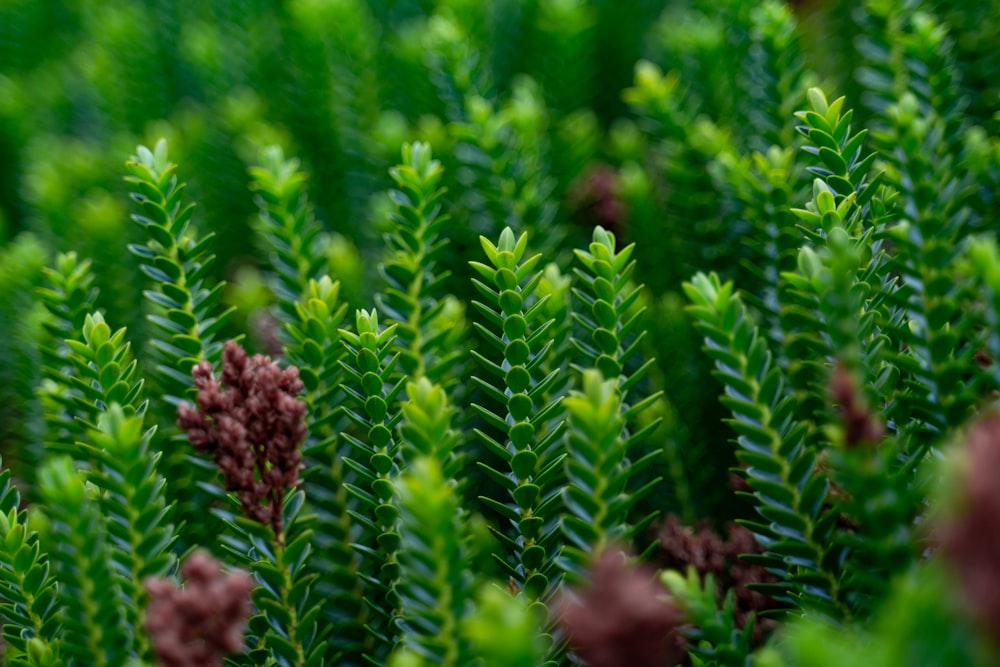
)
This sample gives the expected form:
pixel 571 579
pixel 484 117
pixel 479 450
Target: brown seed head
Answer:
pixel 201 623
pixel 860 425
pixel 682 547
pixel 624 618
pixel 972 541
pixel 251 423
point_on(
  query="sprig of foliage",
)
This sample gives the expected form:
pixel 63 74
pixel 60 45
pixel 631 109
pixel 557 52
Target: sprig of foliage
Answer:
pixel 939 337
pixel 529 432
pixel 681 147
pixel 773 76
pixel 133 503
pixel 715 638
pixel 178 265
pixel 329 91
pixel 287 229
pixel 610 338
pixel 501 146
pixel 374 387
pixel 599 467
pixel 788 492
pixel 555 290
pixel 68 294
pixel 412 298
pixel 288 628
pixel 766 183
pixel 22 418
pixel 847 214
pixel 427 430
pixel 104 373
pixel 608 319
pixel 315 348
pixel 882 502
pixel 94 629
pixel 28 596
pixel 906 49
pixel 436 583
pixel 186 318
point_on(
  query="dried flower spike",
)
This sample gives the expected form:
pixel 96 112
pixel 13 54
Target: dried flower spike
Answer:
pixel 201 623
pixel 623 619
pixel 251 423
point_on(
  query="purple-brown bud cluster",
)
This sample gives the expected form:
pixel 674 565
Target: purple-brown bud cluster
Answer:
pixel 252 424
pixel 972 541
pixel 624 618
pixel 201 623
pixel 701 548
pixel 860 425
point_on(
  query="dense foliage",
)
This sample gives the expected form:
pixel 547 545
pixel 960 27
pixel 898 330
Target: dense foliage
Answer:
pixel 642 333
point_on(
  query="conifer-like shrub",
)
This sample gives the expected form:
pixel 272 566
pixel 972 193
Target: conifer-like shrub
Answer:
pixel 499 334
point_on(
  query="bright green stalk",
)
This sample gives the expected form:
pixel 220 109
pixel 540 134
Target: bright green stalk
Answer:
pixel 714 637
pixel 133 501
pixel 504 629
pixel 598 470
pixel 373 386
pixel 186 319
pixel 430 339
pixel 109 440
pixel 601 449
pixel 178 265
pixel 608 317
pixel 844 222
pixel 287 230
pixel 527 428
pixel 94 624
pixel 426 427
pixel 315 348
pixel 435 578
pixel 68 294
pixel 104 372
pixel 789 493
pixel 28 596
pixel 289 633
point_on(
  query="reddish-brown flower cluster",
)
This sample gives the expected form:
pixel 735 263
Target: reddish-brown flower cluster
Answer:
pixel 594 200
pixel 860 426
pixel 972 541
pixel 682 546
pixel 252 428
pixel 624 618
pixel 200 624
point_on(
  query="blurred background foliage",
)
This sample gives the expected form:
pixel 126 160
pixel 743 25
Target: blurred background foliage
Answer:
pixel 537 108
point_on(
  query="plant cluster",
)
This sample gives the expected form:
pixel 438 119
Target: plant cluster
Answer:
pixel 693 367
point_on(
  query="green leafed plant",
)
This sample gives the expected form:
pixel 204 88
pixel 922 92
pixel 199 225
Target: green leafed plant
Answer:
pixel 485 464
